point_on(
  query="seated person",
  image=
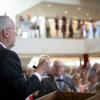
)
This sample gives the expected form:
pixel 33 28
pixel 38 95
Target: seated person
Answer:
pixel 92 82
pixel 51 84
pixel 77 83
pixel 97 85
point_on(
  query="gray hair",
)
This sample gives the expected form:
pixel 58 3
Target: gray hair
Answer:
pixel 43 58
pixel 58 63
pixel 91 75
pixel 5 22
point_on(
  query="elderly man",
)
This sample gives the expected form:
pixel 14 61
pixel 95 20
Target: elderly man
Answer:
pixel 51 84
pixel 13 86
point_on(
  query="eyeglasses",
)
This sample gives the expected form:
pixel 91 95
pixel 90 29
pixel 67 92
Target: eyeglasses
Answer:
pixel 11 28
pixel 59 66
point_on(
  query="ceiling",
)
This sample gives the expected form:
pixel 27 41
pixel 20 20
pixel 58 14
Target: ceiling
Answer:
pixel 48 9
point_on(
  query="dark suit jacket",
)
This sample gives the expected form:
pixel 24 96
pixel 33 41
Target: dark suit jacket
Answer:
pixel 13 86
pixel 49 85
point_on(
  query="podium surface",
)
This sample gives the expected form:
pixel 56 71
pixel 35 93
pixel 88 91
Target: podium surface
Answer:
pixel 96 97
pixel 66 96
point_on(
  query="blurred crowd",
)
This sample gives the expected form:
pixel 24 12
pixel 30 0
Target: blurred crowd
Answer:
pixel 63 78
pixel 61 27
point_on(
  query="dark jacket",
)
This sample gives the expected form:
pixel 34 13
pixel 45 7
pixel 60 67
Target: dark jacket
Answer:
pixel 13 86
pixel 49 85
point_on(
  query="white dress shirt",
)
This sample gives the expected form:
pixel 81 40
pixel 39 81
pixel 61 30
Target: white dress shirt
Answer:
pixel 38 75
pixel 55 78
pixel 3 44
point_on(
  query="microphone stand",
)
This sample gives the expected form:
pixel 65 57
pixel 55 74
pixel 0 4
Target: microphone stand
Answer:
pixel 54 85
pixel 70 88
pixel 60 92
pixel 61 80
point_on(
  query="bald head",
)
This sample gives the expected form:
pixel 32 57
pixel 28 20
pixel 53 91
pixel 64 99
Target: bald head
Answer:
pixel 58 67
pixel 58 63
pixel 7 31
pixel 5 22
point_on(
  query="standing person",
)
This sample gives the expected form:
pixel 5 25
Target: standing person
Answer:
pixel 57 26
pixel 78 28
pixel 64 26
pixel 71 32
pixel 83 30
pixel 13 85
pixel 48 35
pixel 91 29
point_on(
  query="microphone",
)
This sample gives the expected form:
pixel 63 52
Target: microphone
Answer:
pixel 60 92
pixel 68 83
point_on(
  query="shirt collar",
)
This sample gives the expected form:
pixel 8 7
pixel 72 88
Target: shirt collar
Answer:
pixel 61 77
pixel 3 44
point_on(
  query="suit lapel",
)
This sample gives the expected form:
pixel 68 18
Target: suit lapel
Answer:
pixel 53 82
pixel 1 46
pixel 65 85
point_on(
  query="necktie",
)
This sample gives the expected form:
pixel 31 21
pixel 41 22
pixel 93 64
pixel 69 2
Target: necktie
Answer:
pixel 61 86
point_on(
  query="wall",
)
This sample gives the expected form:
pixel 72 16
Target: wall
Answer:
pixel 57 46
pixel 92 45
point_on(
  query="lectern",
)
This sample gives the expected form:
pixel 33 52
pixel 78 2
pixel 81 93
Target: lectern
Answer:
pixel 66 96
pixel 96 97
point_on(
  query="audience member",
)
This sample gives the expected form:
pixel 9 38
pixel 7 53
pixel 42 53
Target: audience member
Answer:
pixel 57 26
pixel 51 84
pixel 48 35
pixel 63 29
pixel 97 85
pixel 77 82
pixel 71 31
pixel 92 81
pixel 84 78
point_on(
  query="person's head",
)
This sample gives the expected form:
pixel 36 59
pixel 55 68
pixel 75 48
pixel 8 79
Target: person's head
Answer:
pixel 76 78
pixel 58 68
pixel 96 66
pixel 92 78
pixel 7 31
pixel 44 63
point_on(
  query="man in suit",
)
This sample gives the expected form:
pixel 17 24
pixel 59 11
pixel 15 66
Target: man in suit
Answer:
pixel 13 86
pixel 50 84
